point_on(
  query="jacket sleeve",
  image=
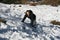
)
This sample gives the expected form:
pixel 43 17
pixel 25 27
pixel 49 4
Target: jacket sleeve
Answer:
pixel 24 18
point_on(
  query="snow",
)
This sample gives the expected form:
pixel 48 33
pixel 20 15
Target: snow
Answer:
pixel 14 30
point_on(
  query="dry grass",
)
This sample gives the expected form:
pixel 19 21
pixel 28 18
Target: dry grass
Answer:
pixel 54 22
pixel 3 21
pixel 50 2
pixel 33 3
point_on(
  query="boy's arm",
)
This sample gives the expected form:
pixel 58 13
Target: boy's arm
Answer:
pixel 24 18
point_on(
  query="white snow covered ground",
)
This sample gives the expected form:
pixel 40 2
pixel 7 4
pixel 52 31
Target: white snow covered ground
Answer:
pixel 14 28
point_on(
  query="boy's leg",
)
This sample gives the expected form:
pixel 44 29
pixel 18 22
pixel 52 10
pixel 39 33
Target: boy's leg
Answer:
pixel 33 23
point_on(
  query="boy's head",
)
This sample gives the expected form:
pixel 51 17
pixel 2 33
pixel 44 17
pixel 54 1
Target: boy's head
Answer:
pixel 28 12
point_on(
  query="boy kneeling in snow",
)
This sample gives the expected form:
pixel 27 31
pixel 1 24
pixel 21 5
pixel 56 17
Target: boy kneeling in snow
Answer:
pixel 31 16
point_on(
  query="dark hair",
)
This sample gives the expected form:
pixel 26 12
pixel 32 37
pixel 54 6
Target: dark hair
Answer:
pixel 30 11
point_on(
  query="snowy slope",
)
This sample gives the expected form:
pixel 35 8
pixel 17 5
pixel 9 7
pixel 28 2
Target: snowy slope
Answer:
pixel 14 28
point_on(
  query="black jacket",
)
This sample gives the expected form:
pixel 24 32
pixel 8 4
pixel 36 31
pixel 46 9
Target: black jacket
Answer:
pixel 32 17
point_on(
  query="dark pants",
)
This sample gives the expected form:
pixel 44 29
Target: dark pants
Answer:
pixel 33 22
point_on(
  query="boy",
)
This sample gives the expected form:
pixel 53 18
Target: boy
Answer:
pixel 31 16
